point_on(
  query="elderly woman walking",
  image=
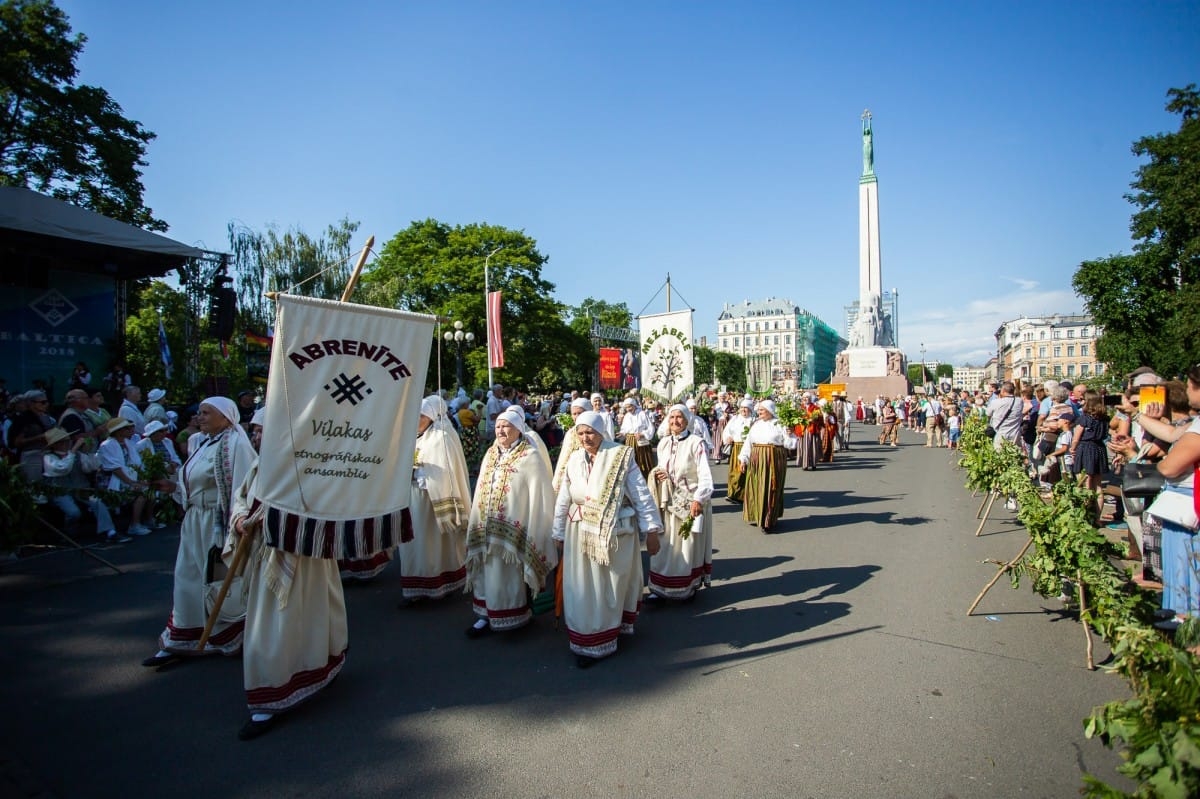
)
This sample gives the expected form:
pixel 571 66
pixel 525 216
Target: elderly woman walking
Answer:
pixel 684 486
pixel 733 436
pixel 432 564
pixel 218 461
pixel 603 503
pixel 765 461
pixel 509 551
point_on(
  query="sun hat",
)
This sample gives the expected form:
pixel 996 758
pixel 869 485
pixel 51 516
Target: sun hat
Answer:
pixel 156 394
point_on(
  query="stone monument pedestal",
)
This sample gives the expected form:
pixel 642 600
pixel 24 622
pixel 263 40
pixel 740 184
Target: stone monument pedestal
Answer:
pixel 871 371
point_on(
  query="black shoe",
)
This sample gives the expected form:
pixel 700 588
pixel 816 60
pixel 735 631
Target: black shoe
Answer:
pixel 252 729
pixel 478 632
pixel 585 662
pixel 160 660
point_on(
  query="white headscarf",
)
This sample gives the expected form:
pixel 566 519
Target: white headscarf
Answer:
pixel 768 406
pixel 687 418
pixel 514 416
pixel 583 403
pixel 595 421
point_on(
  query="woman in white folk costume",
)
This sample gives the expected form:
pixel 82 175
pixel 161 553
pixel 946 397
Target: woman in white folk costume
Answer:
pixel 734 436
pixel 509 550
pixel 602 504
pixel 637 431
pixel 433 563
pixel 219 459
pixel 296 629
pixel 683 485
pixel 764 461
pixel 606 416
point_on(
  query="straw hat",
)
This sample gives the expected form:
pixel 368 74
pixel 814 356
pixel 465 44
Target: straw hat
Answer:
pixel 55 435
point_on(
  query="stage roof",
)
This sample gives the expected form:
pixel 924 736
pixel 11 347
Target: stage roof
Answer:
pixel 39 233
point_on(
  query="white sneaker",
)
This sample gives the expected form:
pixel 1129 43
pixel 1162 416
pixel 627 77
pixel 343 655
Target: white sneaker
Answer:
pixel 1010 505
pixel 157 525
pixel 138 529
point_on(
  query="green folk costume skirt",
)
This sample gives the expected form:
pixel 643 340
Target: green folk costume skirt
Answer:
pixel 765 476
pixel 736 482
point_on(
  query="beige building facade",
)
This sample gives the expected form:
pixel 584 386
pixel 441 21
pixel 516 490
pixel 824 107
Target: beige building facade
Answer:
pixel 1062 346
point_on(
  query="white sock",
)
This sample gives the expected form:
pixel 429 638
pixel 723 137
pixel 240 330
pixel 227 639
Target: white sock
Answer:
pixel 480 624
pixel 261 716
pixel 162 653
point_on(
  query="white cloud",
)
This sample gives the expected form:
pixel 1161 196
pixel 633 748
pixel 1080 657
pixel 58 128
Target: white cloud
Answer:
pixel 962 330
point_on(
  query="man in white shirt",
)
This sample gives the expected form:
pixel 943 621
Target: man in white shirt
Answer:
pixel 129 410
pixel 496 405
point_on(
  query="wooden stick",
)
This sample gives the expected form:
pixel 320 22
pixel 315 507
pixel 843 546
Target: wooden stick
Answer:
pixel 239 560
pixel 78 545
pixel 990 501
pixel 362 259
pixel 979 513
pixel 1087 628
pixel 1000 571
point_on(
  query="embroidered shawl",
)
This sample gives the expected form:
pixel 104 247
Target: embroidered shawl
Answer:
pixel 606 487
pixel 512 514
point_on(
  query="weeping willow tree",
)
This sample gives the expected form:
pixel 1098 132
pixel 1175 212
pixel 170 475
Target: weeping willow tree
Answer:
pixel 290 261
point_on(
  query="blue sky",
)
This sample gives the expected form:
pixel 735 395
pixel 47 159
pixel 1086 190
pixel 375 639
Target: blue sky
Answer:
pixel 715 141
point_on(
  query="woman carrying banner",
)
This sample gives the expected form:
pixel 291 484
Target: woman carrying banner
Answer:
pixel 219 459
pixel 509 552
pixel 732 437
pixel 602 504
pixel 765 462
pixel 683 485
pixel 432 564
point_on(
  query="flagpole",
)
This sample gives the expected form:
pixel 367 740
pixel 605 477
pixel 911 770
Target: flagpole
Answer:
pixel 362 259
pixel 487 310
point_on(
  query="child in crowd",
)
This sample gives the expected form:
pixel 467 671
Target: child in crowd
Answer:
pixel 953 427
pixel 1060 461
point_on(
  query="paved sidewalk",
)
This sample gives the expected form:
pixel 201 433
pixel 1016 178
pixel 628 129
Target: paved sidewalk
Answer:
pixel 832 658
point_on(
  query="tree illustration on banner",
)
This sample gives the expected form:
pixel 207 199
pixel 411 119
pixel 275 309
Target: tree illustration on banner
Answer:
pixel 666 369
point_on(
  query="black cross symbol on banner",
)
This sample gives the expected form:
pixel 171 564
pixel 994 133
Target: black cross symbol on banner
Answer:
pixel 349 389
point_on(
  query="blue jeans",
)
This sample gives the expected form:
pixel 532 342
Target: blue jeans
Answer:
pixel 70 510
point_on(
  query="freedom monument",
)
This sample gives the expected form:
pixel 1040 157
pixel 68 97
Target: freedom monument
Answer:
pixel 868 367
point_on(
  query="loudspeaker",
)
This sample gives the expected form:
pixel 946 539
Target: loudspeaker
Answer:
pixel 222 313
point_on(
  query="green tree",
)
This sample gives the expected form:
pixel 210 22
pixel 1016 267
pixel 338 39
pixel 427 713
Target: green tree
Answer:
pixel 433 268
pixel 70 141
pixel 1145 303
pixel 917 374
pixel 704 362
pixel 945 370
pixel 606 313
pixel 731 370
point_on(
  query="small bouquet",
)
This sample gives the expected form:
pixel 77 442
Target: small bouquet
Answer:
pixel 685 529
pixel 566 421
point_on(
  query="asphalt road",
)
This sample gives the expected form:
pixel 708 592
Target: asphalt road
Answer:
pixel 831 658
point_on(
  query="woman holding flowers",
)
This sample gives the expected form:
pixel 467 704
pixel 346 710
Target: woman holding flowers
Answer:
pixel 683 486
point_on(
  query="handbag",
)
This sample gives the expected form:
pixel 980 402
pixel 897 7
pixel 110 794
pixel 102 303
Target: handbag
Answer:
pixel 1175 507
pixel 1141 480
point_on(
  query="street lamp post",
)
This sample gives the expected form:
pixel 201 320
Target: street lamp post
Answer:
pixel 923 381
pixel 457 337
pixel 487 305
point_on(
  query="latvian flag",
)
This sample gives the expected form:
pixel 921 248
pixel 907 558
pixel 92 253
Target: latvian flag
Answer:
pixel 495 345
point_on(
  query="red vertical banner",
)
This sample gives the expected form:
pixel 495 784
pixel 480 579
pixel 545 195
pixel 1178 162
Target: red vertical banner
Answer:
pixel 495 345
pixel 610 368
